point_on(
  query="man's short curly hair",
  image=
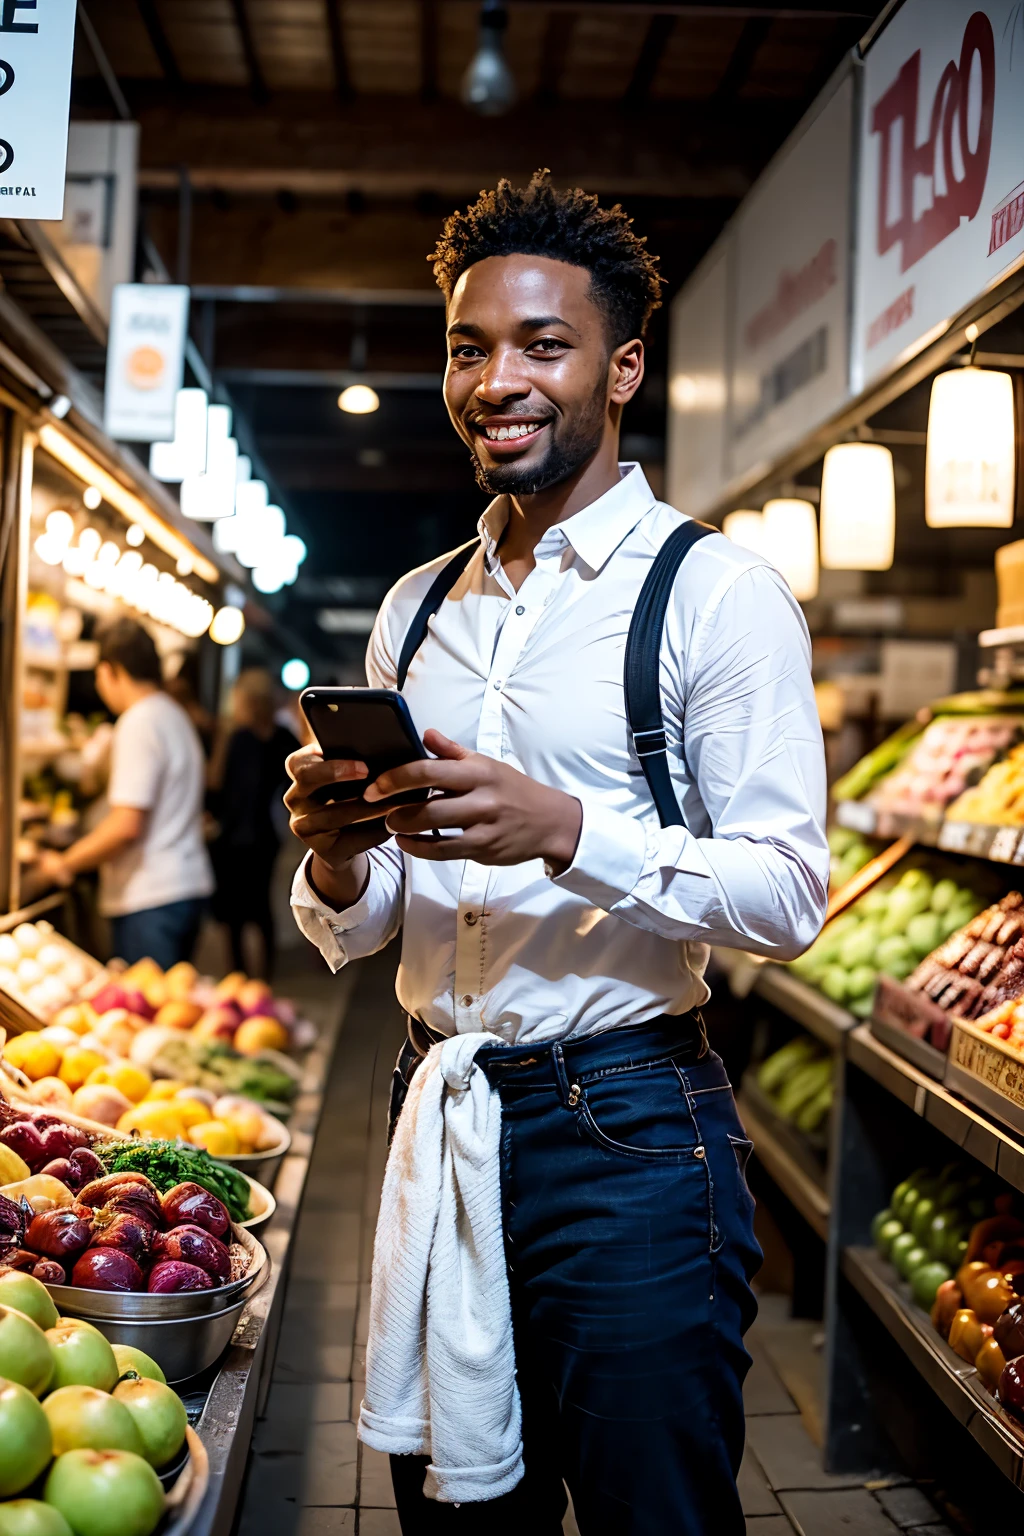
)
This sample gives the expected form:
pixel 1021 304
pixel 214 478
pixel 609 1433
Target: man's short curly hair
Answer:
pixel 570 226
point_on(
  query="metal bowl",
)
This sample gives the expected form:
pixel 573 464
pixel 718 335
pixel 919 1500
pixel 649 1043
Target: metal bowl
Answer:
pixel 263 1206
pixel 181 1346
pixel 141 1306
pixel 186 1490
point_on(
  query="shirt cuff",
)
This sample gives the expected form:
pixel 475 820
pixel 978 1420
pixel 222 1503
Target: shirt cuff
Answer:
pixel 321 924
pixel 609 857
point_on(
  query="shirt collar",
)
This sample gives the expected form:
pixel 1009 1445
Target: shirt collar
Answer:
pixel 595 532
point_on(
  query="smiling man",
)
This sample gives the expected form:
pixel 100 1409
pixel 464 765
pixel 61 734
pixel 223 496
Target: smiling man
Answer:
pixel 558 926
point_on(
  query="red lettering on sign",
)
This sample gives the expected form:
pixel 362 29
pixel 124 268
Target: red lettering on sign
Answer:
pixel 933 160
pixel 897 314
pixel 1008 219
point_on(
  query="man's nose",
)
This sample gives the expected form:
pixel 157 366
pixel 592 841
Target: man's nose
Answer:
pixel 502 377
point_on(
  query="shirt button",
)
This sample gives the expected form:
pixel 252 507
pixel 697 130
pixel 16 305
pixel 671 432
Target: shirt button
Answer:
pixel 469 917
pixel 520 611
pixel 466 1000
pixel 498 685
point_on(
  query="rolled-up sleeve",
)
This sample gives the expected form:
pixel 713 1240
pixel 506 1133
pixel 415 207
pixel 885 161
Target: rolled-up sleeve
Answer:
pixel 755 875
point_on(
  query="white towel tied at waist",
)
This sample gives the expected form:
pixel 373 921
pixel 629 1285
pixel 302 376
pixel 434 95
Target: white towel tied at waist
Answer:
pixel 440 1363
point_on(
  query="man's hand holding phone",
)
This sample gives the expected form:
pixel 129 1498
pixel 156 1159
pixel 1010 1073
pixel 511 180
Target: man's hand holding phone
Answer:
pixel 339 833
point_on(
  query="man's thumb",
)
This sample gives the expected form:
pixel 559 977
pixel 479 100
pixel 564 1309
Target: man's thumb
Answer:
pixel 442 747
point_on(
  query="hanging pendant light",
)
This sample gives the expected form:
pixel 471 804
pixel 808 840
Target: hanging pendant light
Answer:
pixel 746 529
pixel 971 454
pixel 489 86
pixel 858 508
pixel 791 544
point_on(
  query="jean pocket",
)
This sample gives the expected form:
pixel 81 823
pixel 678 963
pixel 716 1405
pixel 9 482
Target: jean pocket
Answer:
pixel 742 1149
pixel 641 1114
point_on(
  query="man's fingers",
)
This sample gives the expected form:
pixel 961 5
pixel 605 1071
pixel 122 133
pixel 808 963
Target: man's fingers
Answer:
pixel 312 820
pixel 443 747
pixel 314 773
pixel 438 849
pixel 430 773
pixel 441 811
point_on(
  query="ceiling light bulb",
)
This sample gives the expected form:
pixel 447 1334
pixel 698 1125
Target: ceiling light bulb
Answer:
pixel 489 86
pixel 75 561
pixel 791 544
pixel 109 554
pixel 858 508
pixel 268 578
pixel 358 400
pixel 184 566
pixel 92 497
pixel 136 534
pixel 50 550
pixel 228 625
pixel 89 542
pixel 61 527
pixel 295 674
pixel 970 457
pixel 293 549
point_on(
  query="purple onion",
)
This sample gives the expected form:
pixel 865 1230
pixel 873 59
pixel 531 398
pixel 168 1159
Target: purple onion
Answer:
pixel 193 1245
pixel 172 1275
pixel 107 1269
pixel 192 1205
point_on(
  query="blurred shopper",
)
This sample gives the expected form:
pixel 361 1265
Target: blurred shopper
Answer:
pixel 247 776
pixel 155 873
pixel 561 1275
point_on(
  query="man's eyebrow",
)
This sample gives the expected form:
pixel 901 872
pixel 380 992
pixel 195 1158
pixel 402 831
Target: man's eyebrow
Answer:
pixel 533 323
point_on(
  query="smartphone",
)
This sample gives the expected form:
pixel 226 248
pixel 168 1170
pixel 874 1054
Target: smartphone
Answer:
pixel 369 725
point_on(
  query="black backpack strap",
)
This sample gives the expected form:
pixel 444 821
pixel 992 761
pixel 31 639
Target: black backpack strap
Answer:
pixel 441 585
pixel 642 669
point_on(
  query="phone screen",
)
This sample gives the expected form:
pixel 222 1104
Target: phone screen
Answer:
pixel 369 725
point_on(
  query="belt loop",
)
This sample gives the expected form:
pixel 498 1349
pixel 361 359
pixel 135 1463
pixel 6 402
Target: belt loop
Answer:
pixel 561 1076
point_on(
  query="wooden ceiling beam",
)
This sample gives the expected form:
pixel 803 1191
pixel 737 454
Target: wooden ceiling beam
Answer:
pixel 339 53
pixel 429 43
pixel 656 40
pixel 737 71
pixel 159 41
pixel 257 81
pixel 558 33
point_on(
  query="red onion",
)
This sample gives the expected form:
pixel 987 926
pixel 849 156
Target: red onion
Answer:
pixel 62 1169
pixel 192 1205
pixel 12 1220
pixel 172 1275
pixel 88 1164
pixel 60 1140
pixel 193 1245
pixel 50 1272
pixel 58 1234
pixel 130 1193
pixel 23 1138
pixel 130 1233
pixel 108 1269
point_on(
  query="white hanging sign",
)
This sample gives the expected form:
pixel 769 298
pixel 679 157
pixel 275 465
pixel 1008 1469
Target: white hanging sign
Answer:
pixel 37 40
pixel 941 199
pixel 145 359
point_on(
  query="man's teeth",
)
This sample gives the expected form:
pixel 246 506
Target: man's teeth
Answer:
pixel 500 434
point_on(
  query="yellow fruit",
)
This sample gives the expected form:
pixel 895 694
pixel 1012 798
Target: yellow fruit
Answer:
pixel 51 1091
pixel 134 1082
pixel 78 1064
pixel 35 1056
pixel 217 1138
pixel 12 1167
pixel 142 971
pixel 155 992
pixel 180 979
pixel 164 1088
pixel 153 1119
pixel 260 1034
pixel 191 1111
pixel 79 1017
pixel 247 1124
pixel 179 1014
pixel 229 988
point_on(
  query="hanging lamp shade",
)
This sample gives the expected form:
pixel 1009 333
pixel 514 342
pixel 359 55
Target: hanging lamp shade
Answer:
pixel 791 544
pixel 971 454
pixel 745 529
pixel 858 508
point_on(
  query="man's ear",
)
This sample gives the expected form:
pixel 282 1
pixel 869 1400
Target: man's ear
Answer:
pixel 626 370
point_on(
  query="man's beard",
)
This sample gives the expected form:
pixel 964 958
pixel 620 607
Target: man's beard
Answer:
pixel 563 457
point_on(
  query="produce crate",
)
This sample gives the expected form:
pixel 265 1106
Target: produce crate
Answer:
pixel 17 1016
pixel 986 1073
pixel 904 1020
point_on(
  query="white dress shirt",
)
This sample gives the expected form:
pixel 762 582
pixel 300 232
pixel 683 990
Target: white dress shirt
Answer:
pixel 534 678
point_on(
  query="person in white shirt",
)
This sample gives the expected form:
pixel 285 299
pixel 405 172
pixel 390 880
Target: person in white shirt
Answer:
pixel 558 924
pixel 155 873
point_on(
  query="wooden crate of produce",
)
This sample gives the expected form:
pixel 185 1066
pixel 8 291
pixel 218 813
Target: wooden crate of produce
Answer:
pixel 986 1072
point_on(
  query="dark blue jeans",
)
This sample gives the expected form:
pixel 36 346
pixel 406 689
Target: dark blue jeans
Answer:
pixel 630 1244
pixel 166 934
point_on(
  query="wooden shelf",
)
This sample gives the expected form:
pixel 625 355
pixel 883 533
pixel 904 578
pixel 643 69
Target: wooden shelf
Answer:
pixel 827 1021
pixel 805 1192
pixel 993 1145
pixel 997 844
pixel 953 1381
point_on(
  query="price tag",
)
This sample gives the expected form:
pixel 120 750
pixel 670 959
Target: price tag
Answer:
pixel 856 816
pixel 954 836
pixel 1004 845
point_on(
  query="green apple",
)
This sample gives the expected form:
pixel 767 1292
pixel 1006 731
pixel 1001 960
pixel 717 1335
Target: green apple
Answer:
pixel 84 1417
pixel 28 1295
pixel 31 1517
pixel 81 1356
pixel 900 1246
pixel 131 1359
pixel 24 1439
pixel 25 1353
pixel 105 1493
pixel 159 1415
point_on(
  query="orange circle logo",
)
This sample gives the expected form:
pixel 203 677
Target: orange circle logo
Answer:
pixel 145 367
